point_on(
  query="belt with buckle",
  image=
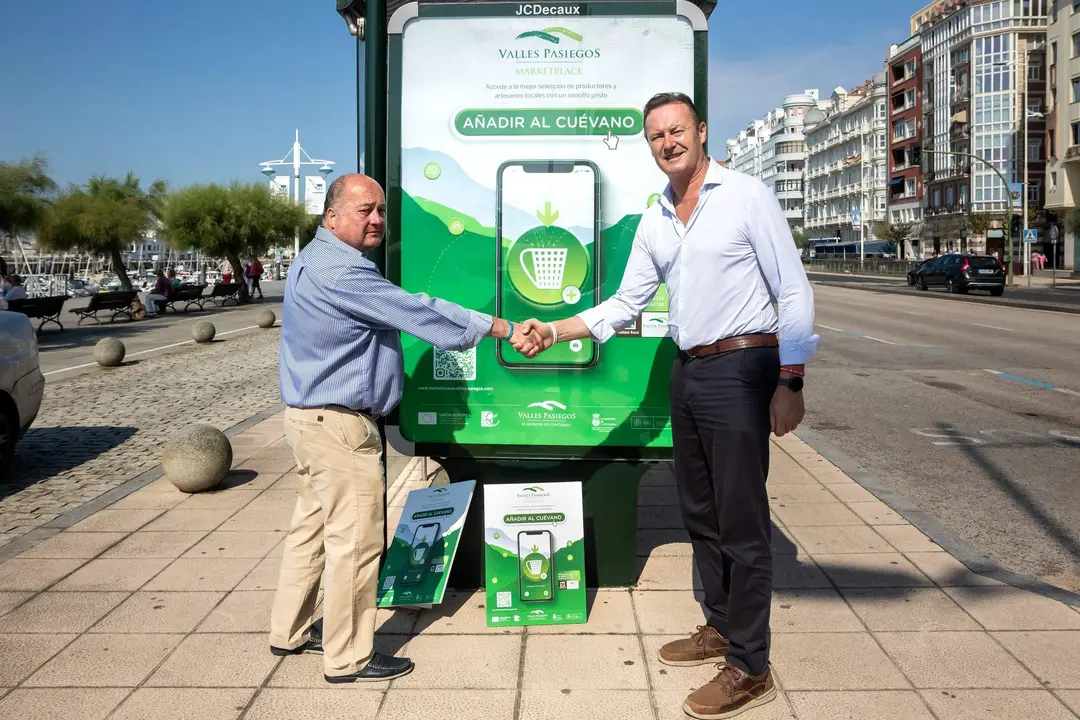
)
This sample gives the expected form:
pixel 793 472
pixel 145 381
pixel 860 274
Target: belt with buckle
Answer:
pixel 739 342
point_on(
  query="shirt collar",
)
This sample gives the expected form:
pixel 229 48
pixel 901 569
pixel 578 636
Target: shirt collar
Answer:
pixel 714 175
pixel 339 245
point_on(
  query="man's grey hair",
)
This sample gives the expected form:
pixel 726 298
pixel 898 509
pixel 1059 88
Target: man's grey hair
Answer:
pixel 333 194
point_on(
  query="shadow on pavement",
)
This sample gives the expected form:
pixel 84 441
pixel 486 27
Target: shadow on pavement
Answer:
pixel 45 452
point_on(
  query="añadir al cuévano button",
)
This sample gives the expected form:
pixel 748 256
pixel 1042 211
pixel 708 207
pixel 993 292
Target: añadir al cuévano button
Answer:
pixel 550 121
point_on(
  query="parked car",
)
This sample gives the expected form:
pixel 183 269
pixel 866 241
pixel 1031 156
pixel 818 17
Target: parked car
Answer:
pixel 960 273
pixel 21 383
pixel 913 273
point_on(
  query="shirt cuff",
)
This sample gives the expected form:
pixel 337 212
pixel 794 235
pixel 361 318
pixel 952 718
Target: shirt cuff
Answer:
pixel 798 353
pixel 598 325
pixel 479 326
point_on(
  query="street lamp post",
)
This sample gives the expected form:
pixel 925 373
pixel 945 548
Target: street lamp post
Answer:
pixel 298 154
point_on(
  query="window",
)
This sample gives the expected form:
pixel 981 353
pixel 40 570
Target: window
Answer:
pixel 1034 149
pixel 1053 180
pixel 1053 53
pixel 1035 72
pixel 1076 44
pixel 1075 133
pixel 1034 193
pixel 909 187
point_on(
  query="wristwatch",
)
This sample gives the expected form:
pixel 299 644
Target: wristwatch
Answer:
pixel 794 384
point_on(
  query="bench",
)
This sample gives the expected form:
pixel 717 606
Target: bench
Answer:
pixel 118 302
pixel 46 309
pixel 221 294
pixel 188 295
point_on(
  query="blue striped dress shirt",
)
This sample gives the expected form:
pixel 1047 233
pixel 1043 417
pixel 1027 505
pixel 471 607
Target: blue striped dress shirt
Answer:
pixel 339 329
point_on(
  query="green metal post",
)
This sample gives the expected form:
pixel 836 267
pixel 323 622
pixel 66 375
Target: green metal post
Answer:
pixel 375 99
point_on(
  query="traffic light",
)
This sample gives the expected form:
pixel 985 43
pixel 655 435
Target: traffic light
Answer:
pixel 1014 228
pixel 916 155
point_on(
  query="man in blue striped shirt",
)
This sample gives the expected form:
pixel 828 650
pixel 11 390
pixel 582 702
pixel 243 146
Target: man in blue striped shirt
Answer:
pixel 341 368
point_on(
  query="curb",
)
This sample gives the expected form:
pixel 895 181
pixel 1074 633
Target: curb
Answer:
pixel 961 549
pixel 46 531
pixel 1018 304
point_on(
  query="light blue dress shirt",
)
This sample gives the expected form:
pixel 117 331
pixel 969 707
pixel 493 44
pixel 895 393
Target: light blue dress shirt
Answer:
pixel 722 270
pixel 339 329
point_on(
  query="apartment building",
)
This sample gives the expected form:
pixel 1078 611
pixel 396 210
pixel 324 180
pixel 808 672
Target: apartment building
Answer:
pixel 922 16
pixel 904 75
pixel 1063 132
pixel 774 150
pixel 981 60
pixel 846 166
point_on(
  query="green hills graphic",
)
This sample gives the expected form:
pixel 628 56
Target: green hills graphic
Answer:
pixel 551 34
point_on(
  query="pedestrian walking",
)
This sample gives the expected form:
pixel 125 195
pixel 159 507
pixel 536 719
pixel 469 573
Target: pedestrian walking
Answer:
pixel 254 273
pixel 721 244
pixel 340 371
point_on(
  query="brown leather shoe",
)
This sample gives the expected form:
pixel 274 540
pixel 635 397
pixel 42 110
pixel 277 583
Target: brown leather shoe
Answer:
pixel 706 645
pixel 730 693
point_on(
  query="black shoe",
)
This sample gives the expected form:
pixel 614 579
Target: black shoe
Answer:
pixel 313 646
pixel 379 669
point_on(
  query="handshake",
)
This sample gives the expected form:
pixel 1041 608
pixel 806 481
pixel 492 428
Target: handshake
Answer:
pixel 532 337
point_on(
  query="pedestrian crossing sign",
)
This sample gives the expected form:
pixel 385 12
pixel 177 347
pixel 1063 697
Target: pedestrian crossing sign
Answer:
pixel 1031 235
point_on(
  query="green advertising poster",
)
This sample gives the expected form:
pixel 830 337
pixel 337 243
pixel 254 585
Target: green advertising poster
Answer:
pixel 534 554
pixel 420 556
pixel 523 173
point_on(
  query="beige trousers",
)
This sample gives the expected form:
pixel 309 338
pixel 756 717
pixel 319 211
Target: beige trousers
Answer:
pixel 336 534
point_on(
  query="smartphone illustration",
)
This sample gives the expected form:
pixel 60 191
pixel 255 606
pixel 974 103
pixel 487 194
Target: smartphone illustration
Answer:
pixel 420 554
pixel 548 259
pixel 536 567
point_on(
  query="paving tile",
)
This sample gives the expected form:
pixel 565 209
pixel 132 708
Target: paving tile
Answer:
pixel 610 612
pixel 233 499
pixel 202 574
pixel 395 621
pixel 792 573
pixel 16 574
pixel 1053 655
pixel 859 705
pixel 159 494
pixel 1071 698
pixel 832 476
pixel 1007 608
pixel 663 542
pixel 851 493
pixel 842 661
pixel 875 512
pixel 264 576
pixel 236 544
pixel 24 653
pixel 246 611
pixel 460 613
pixel 276 497
pixel 453 661
pixel 180 520
pixel 306 671
pixel 664 517
pixel 159 612
pixel 260 519
pixel 807 611
pixel 11 600
pixel 105 661
pixel 954 660
pixel 241 660
pixel 871 570
pixel 908 609
pixel 447 704
pixel 907 538
pixel 325 704
pixel 790 494
pixel 656 496
pixel 947 571
pixel 553 704
pixel 57 703
pixel 145 544
pixel 980 704
pixel 789 475
pixel 669 704
pixel 73 545
pixel 584 662
pixel 668 612
pixel 668 678
pixel 668 573
pixel 815 514
pixel 847 539
pixel 113 574
pixel 110 520
pixel 193 703
pixel 783 542
pixel 60 612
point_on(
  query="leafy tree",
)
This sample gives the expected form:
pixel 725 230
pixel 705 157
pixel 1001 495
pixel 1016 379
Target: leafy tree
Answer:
pixel 307 229
pixel 102 217
pixel 801 238
pixel 896 234
pixel 230 221
pixel 980 222
pixel 24 190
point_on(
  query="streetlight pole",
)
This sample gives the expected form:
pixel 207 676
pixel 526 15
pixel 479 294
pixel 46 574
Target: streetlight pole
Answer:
pixel 1024 191
pixel 298 154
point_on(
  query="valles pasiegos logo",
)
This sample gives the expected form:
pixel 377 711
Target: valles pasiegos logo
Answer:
pixel 533 489
pixel 553 36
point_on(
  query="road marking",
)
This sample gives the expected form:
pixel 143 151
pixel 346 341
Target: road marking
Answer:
pixel 858 335
pixel 1033 383
pixel 143 352
pixel 994 327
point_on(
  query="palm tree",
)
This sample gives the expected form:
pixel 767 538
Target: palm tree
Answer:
pixel 24 189
pixel 102 217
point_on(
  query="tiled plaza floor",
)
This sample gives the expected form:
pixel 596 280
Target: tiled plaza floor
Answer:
pixel 157 607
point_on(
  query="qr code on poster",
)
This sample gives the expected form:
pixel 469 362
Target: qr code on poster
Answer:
pixel 503 600
pixel 455 365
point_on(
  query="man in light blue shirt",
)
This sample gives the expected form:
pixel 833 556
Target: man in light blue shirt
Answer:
pixel 340 370
pixel 721 244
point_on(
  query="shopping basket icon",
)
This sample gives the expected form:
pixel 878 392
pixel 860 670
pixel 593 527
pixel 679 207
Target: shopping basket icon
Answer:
pixel 534 566
pixel 547 269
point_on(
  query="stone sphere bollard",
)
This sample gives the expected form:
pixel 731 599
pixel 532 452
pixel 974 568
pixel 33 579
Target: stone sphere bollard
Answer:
pixel 265 318
pixel 203 331
pixel 109 352
pixel 197 458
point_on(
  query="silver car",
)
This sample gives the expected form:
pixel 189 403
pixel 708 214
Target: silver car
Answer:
pixel 21 384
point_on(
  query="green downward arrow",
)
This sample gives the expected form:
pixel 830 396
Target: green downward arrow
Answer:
pixel 548 216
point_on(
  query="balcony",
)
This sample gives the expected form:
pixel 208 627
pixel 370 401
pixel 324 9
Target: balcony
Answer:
pixel 960 97
pixel 1072 155
pixel 960 131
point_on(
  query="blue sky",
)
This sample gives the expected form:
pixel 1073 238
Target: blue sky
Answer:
pixel 203 90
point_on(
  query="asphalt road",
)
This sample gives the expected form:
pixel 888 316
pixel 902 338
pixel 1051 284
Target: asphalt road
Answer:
pixel 970 410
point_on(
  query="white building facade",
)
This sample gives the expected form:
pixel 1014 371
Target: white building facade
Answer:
pixel 1063 136
pixel 846 165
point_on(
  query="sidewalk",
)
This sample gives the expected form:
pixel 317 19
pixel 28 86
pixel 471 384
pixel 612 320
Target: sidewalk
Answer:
pixel 158 607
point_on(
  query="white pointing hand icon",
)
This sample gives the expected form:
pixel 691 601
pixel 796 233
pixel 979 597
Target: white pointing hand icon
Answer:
pixel 612 141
